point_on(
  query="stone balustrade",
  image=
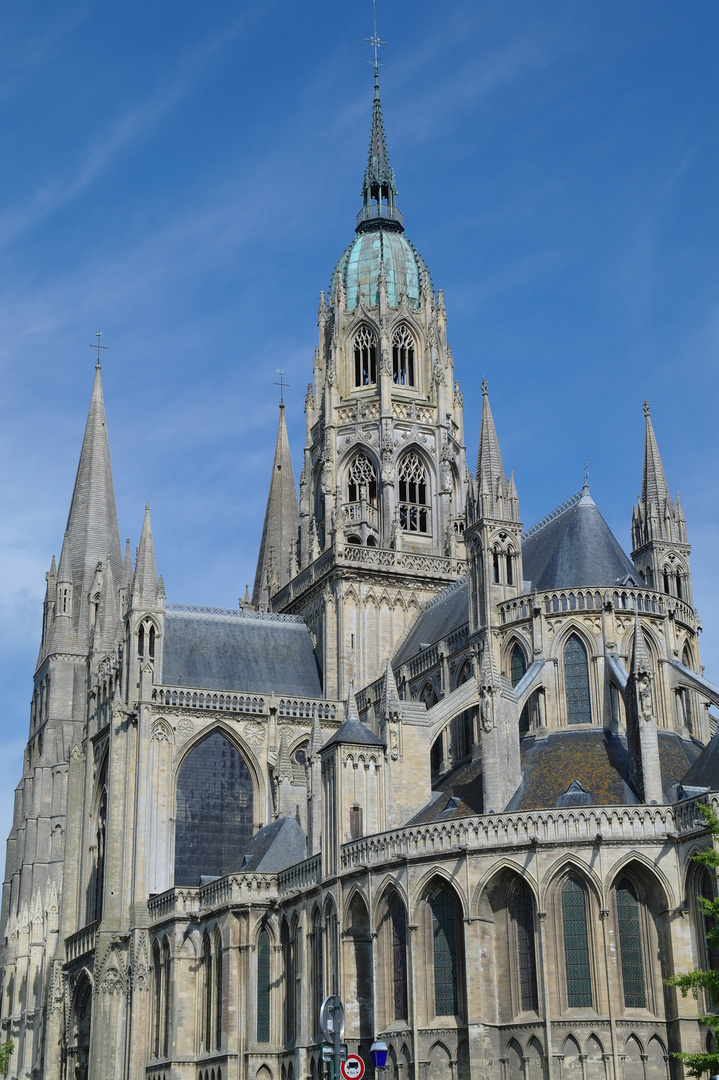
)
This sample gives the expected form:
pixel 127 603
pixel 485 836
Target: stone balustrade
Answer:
pixel 82 942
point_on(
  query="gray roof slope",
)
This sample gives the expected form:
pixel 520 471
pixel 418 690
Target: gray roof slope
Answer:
pixel 355 732
pixel 279 845
pixel 445 614
pixel 222 652
pixel 574 548
pixel 704 772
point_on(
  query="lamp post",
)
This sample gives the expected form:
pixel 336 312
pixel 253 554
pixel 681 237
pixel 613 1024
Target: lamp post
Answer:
pixel 379 1051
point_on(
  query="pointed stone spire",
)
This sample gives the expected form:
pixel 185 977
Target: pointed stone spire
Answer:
pixel 491 480
pixel 655 489
pixel 107 616
pixel 389 705
pixel 145 582
pixel 488 674
pixel 351 703
pixel 379 192
pixel 316 737
pixel 282 519
pixel 284 761
pixel 127 566
pixel 92 530
pixel 640 663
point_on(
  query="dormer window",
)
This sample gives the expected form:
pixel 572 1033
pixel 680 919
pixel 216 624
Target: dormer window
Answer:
pixel 403 357
pixel 365 350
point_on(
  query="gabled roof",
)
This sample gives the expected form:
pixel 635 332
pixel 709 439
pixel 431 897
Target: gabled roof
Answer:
pixel 444 614
pixel 241 652
pixel 574 547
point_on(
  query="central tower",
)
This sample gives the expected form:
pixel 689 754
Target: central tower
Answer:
pixel 382 489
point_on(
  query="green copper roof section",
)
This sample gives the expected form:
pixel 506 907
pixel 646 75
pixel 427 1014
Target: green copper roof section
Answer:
pixel 362 262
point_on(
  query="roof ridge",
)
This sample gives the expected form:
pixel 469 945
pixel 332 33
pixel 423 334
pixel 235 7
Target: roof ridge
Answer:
pixel 552 515
pixel 236 613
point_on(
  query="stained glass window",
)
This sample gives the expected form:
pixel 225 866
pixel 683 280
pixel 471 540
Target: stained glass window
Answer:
pixel 399 958
pixel 214 810
pixel 317 971
pixel 522 914
pixel 288 953
pixel 444 924
pixel 403 357
pixel 630 946
pixel 157 979
pixel 207 969
pixel 365 358
pixel 576 679
pixel 167 985
pixel 263 987
pixel 218 991
pixel 517 671
pixel 576 945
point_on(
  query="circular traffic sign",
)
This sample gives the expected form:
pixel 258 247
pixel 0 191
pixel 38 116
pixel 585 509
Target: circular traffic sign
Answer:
pixel 352 1068
pixel 332 1017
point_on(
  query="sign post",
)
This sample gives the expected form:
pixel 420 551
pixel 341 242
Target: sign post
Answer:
pixel 332 1022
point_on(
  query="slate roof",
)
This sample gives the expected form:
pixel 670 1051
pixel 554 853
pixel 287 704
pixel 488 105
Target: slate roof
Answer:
pixel 355 732
pixel 574 547
pixel 274 848
pixel 705 770
pixel 446 613
pixel 594 759
pixel 243 652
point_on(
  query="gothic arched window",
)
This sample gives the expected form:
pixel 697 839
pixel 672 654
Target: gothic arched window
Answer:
pixel 403 357
pixel 157 988
pixel 218 990
pixel 316 971
pixel 576 680
pixel 362 480
pixel 288 954
pixel 521 913
pixel 630 946
pixel 414 513
pixel 365 350
pixel 263 987
pixel 517 671
pixel 207 974
pixel 166 997
pixel 576 945
pixel 446 944
pixel 398 922
pixel 101 841
pixel 214 812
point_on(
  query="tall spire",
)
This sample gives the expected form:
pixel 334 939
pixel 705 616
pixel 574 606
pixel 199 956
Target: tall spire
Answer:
pixel 282 519
pixel 145 581
pixel 92 532
pixel 655 490
pixel 379 191
pixel 491 482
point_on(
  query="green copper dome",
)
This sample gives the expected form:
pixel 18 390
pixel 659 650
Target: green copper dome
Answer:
pixel 361 264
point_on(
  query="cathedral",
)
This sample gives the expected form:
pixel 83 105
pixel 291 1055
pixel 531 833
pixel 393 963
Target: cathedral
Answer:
pixel 440 764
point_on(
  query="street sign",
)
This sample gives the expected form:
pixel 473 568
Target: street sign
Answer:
pixel 328 1051
pixel 332 1017
pixel 352 1068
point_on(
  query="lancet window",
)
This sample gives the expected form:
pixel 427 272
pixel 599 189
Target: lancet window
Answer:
pixel 362 480
pixel 365 352
pixel 403 357
pixel 521 913
pixel 576 680
pixel 398 923
pixel 263 987
pixel 414 515
pixel 576 945
pixel 316 970
pixel 446 974
pixel 630 946
pixel 288 952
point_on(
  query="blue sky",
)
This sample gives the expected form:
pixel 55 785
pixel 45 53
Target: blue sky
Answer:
pixel 184 177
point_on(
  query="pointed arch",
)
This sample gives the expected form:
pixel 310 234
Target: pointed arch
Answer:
pixel 364 349
pixel 403 354
pixel 263 984
pixel 576 680
pixel 445 924
pixel 414 491
pixel 167 1001
pixel 576 943
pixel 214 807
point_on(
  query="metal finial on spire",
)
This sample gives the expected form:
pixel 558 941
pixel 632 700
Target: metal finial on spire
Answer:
pixel 98 346
pixel 375 41
pixel 646 407
pixel 585 483
pixel 485 387
pixel 282 384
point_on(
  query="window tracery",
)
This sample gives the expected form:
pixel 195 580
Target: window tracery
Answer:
pixel 444 927
pixel 365 356
pixel 263 987
pixel 576 681
pixel 398 923
pixel 521 912
pixel 403 357
pixel 576 945
pixel 414 513
pixel 630 946
pixel 362 480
